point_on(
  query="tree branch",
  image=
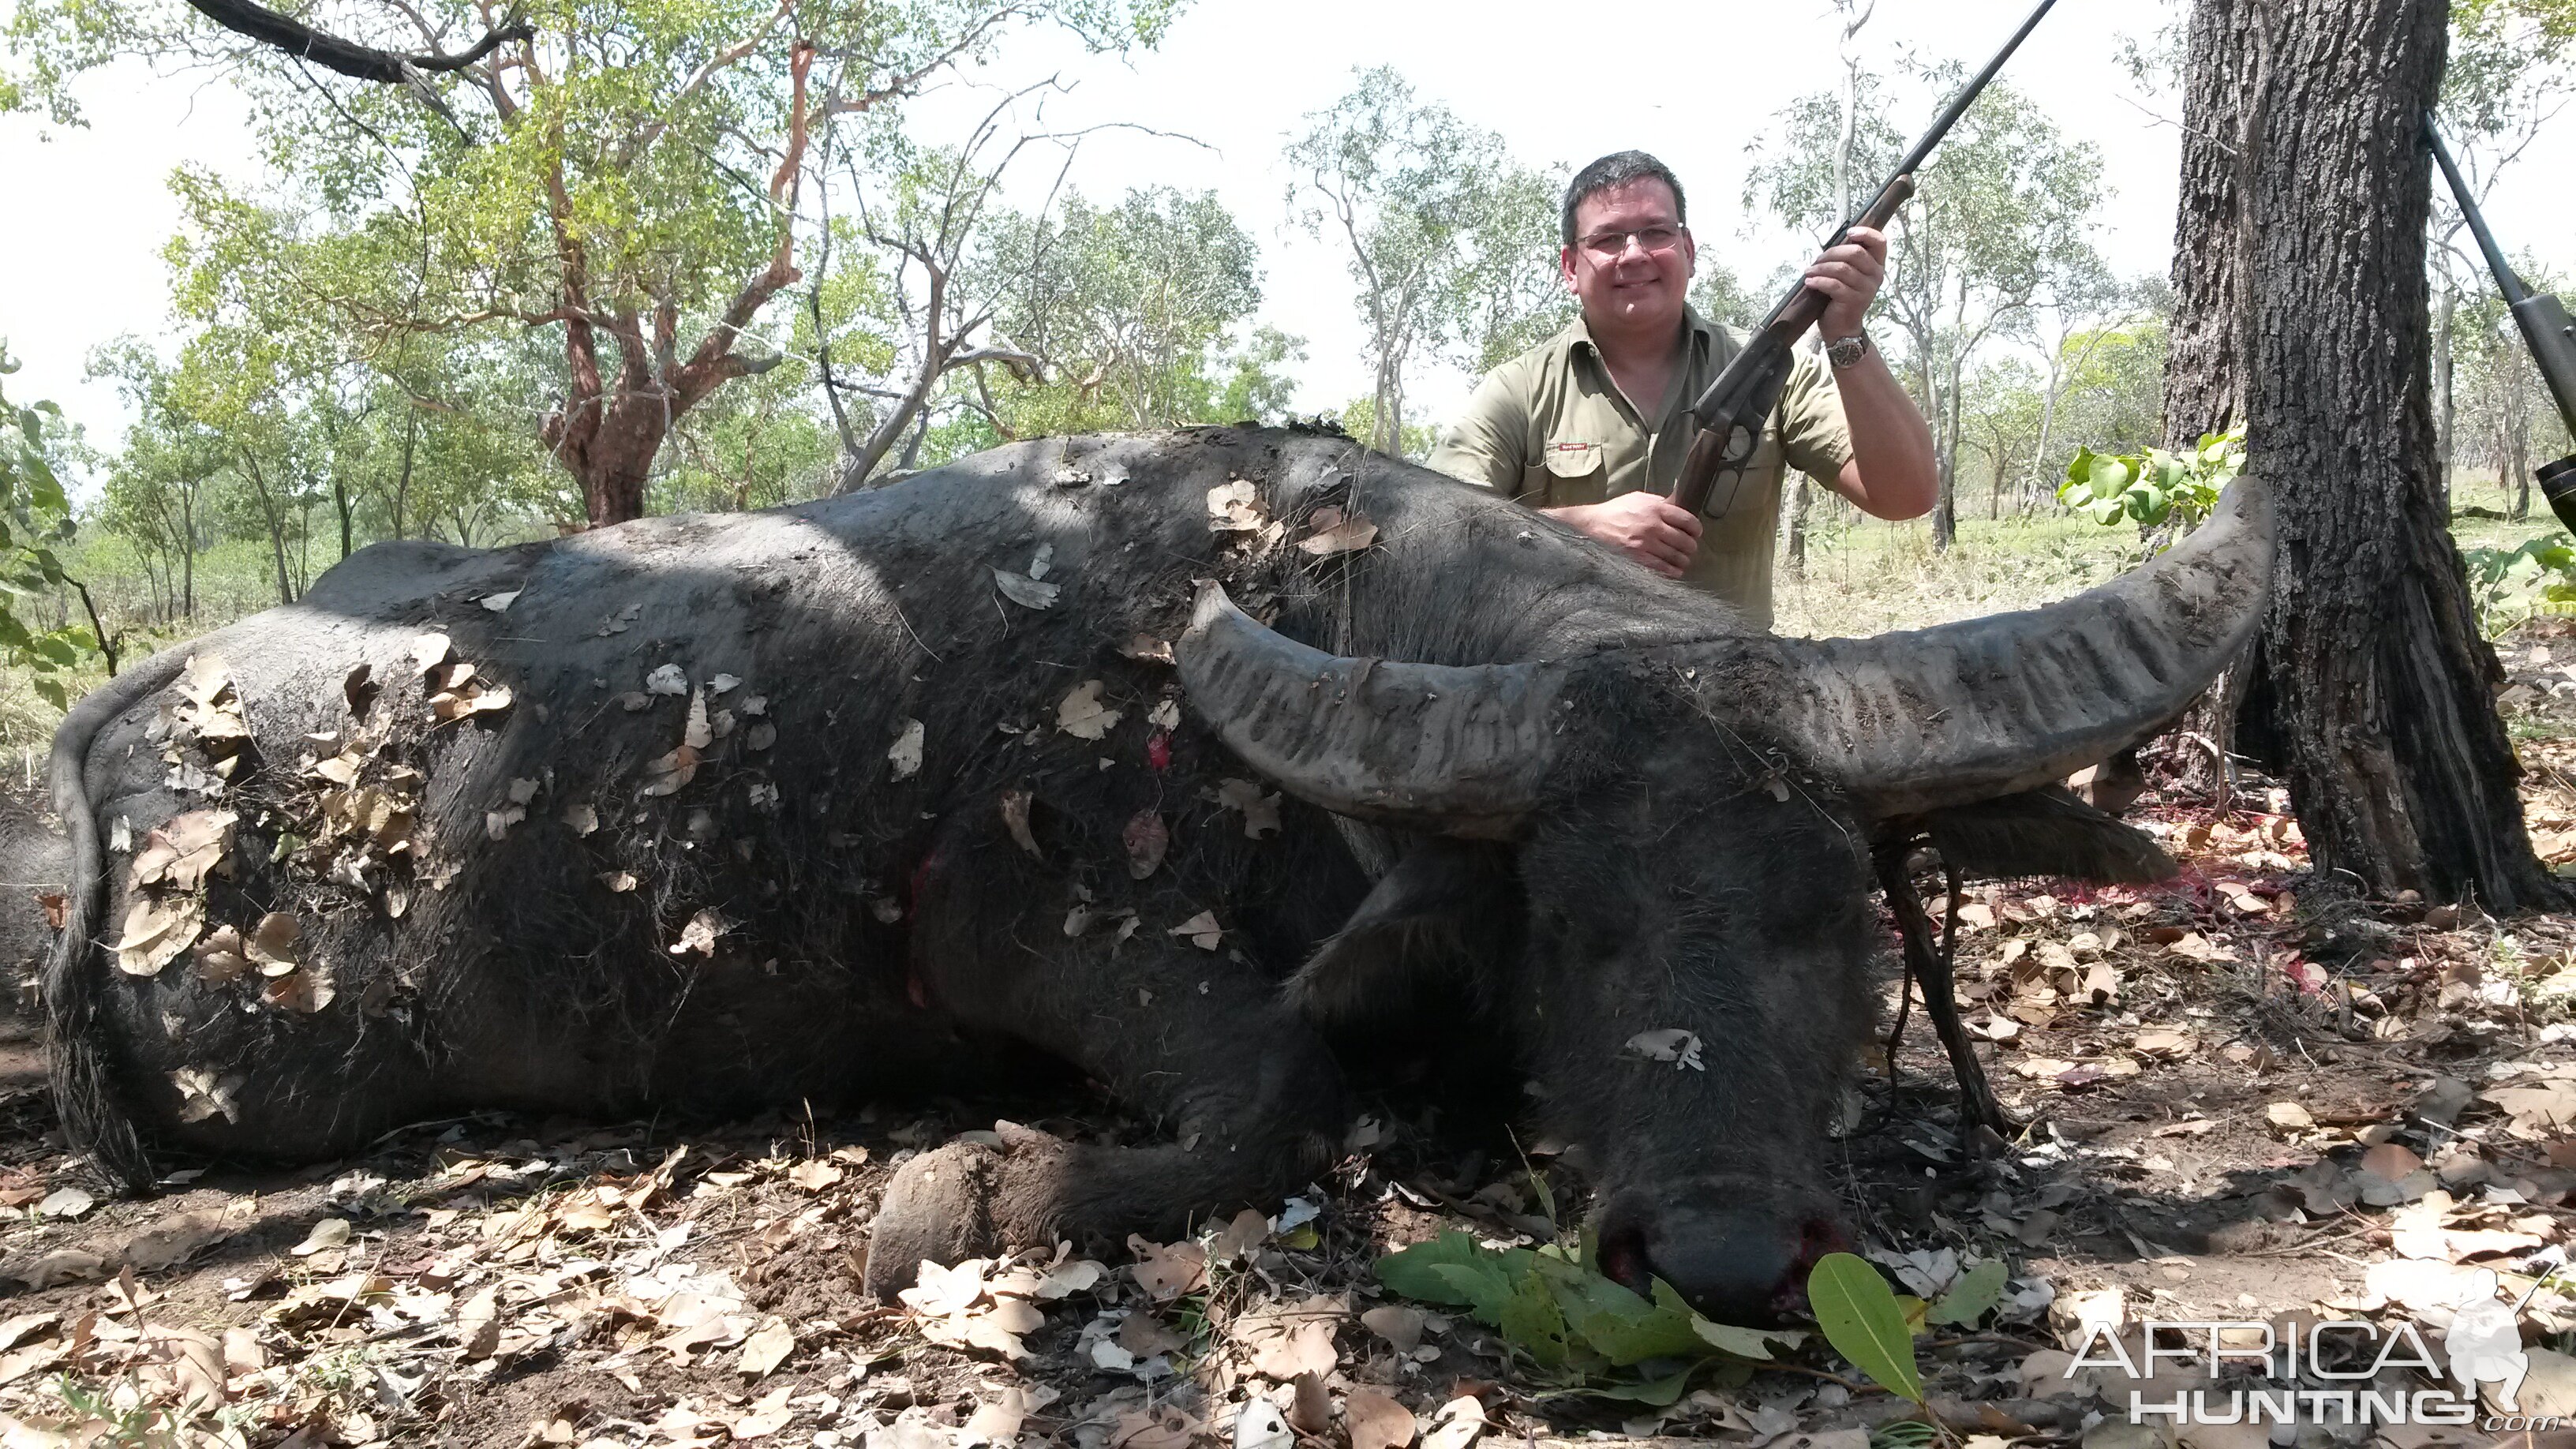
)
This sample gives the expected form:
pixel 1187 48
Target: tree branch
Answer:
pixel 358 62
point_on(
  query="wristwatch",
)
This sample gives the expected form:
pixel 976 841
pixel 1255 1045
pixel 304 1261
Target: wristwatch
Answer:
pixel 1842 352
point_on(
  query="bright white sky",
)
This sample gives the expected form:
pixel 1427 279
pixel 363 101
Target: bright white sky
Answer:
pixel 81 262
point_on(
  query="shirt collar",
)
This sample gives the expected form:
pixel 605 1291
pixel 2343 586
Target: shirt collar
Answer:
pixel 1577 336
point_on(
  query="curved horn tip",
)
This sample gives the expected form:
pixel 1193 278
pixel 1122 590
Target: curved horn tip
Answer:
pixel 1213 604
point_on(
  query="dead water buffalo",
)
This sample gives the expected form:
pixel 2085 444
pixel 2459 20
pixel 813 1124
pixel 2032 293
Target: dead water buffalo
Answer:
pixel 708 812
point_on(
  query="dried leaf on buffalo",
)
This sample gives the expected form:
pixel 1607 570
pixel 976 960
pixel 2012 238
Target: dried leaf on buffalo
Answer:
pixel 1082 715
pixel 273 943
pixel 359 688
pixel 1335 532
pixel 223 957
pixel 500 603
pixel 699 934
pixel 1165 715
pixel 697 735
pixel 1260 812
pixel 497 823
pixel 667 679
pixel 665 774
pixel 1041 561
pixel 760 736
pixel 340 769
pixel 56 907
pixel 1024 591
pixel 183 849
pixel 1015 818
pixel 1200 930
pixel 203 1095
pixel 305 990
pixel 430 651
pixel 1146 839
pixel 582 819
pixel 1235 507
pixel 905 752
pixel 754 705
pixel 205 678
pixel 474 699
pixel 157 931
pixel 620 881
pixel 522 791
pixel 1671 1044
pixel 1147 648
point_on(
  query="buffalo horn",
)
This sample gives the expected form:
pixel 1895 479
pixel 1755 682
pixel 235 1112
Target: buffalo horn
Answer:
pixel 1460 750
pixel 1988 707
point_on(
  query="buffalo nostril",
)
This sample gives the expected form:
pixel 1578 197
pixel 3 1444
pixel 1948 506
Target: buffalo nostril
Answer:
pixel 1622 1259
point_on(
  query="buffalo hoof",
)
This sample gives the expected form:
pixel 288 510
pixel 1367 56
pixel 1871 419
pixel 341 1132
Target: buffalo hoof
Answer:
pixel 938 1209
pixel 966 1200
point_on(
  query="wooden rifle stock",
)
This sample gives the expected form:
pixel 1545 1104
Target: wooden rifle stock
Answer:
pixel 1731 413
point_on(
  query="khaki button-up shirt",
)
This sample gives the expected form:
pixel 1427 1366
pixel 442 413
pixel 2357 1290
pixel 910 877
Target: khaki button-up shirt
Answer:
pixel 1550 428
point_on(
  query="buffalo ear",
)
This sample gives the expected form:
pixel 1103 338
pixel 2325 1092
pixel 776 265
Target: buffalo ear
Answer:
pixel 1442 921
pixel 2046 832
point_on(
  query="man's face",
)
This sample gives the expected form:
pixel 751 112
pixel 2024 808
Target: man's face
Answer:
pixel 1631 259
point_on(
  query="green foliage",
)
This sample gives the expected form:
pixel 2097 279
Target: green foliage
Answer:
pixel 1860 1318
pixel 2155 486
pixel 1575 1327
pixel 2509 585
pixel 1452 244
pixel 34 517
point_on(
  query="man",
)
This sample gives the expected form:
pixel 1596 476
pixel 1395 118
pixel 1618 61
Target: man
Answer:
pixel 1591 426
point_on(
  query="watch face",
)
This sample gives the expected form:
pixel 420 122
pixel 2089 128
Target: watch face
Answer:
pixel 1844 351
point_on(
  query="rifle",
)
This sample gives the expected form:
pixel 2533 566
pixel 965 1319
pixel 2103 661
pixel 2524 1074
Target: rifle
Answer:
pixel 1735 407
pixel 2546 329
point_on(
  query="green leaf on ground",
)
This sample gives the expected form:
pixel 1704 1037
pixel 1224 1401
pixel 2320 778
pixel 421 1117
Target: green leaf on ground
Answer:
pixel 1972 1297
pixel 1861 1319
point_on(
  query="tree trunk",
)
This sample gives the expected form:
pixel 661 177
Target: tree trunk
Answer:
pixel 402 484
pixel 188 551
pixel 276 528
pixel 2368 681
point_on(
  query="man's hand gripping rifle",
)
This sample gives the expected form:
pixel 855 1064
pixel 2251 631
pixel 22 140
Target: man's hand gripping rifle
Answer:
pixel 1735 407
pixel 2545 326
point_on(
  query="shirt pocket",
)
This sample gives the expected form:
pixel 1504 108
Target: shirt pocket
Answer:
pixel 1569 471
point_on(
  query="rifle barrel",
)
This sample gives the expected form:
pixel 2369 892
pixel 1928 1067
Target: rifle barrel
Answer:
pixel 1967 95
pixel 2506 282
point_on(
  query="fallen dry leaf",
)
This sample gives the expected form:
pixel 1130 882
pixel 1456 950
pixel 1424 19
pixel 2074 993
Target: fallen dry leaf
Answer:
pixel 1146 839
pixel 905 752
pixel 1167 1272
pixel 1235 507
pixel 1026 592
pixel 1200 930
pixel 1400 1326
pixel 1334 533
pixel 157 931
pixel 1260 812
pixel 767 1348
pixel 1082 715
pixel 1147 648
pixel 1015 818
pixel 1458 1423
pixel 1376 1421
pixel 2287 1117
pixel 328 1233
pixel 814 1174
pixel 665 774
pixel 1284 1340
pixel 699 934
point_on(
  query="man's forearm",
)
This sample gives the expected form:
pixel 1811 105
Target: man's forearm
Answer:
pixel 1891 473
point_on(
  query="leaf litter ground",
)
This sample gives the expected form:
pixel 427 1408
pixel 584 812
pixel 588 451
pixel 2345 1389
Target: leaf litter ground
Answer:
pixel 2245 1101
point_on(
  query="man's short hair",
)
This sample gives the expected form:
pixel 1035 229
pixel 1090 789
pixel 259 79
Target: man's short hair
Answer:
pixel 1617 169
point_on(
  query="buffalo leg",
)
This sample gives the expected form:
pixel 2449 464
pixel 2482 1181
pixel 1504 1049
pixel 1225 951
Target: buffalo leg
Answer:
pixel 1198 1040
pixel 1931 971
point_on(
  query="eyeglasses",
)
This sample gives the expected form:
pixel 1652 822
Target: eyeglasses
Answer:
pixel 1610 246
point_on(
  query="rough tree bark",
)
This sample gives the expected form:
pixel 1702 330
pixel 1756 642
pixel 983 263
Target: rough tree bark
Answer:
pixel 2301 308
